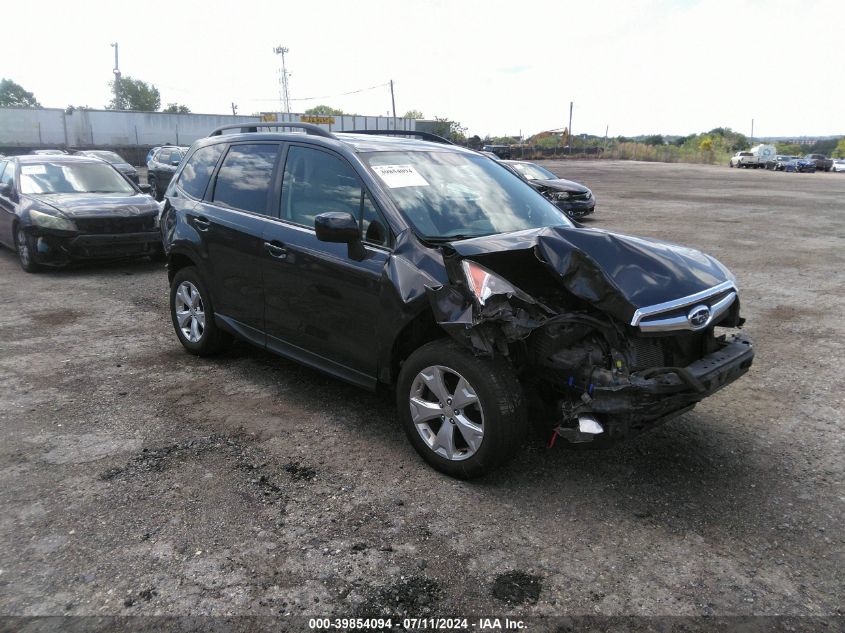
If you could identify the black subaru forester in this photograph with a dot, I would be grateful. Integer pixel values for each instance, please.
(431, 269)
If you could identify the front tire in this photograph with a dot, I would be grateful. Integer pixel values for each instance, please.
(463, 414)
(26, 248)
(193, 314)
(154, 192)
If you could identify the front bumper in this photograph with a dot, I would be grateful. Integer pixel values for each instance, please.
(633, 403)
(576, 208)
(52, 249)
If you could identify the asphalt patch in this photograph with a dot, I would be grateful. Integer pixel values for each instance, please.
(517, 587)
(412, 597)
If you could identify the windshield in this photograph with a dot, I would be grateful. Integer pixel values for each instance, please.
(450, 195)
(72, 178)
(114, 159)
(533, 172)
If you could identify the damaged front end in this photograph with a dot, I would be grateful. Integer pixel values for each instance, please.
(609, 334)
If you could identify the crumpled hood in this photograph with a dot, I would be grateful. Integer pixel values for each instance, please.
(99, 204)
(616, 273)
(561, 184)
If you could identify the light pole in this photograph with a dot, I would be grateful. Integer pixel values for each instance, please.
(117, 104)
(284, 96)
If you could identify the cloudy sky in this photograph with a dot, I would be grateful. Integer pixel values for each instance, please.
(499, 67)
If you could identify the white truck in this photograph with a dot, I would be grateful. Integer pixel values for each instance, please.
(756, 157)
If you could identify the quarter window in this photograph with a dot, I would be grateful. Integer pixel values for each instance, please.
(197, 173)
(316, 182)
(246, 177)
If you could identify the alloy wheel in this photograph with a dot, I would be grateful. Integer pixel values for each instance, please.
(23, 248)
(190, 311)
(446, 412)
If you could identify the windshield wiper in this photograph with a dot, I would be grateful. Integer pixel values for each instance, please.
(452, 238)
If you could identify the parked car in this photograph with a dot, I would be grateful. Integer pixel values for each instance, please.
(838, 164)
(430, 269)
(572, 198)
(796, 164)
(162, 166)
(821, 162)
(49, 152)
(120, 163)
(502, 151)
(57, 209)
(743, 159)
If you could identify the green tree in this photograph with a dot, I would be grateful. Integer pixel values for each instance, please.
(452, 130)
(654, 139)
(413, 114)
(839, 152)
(324, 110)
(13, 95)
(790, 149)
(134, 94)
(177, 108)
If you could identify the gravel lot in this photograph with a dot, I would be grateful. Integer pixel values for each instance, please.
(136, 479)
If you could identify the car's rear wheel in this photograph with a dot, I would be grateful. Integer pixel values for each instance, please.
(26, 247)
(193, 314)
(463, 414)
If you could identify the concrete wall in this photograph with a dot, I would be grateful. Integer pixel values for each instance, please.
(25, 129)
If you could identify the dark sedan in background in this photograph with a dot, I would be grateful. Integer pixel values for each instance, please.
(120, 163)
(162, 166)
(571, 197)
(57, 209)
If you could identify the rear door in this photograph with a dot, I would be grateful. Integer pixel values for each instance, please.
(7, 203)
(232, 219)
(322, 307)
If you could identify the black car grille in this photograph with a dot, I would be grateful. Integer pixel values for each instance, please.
(580, 196)
(112, 225)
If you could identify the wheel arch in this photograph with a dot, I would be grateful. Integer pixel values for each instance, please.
(414, 334)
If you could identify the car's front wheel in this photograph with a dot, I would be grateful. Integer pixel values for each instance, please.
(26, 247)
(193, 314)
(463, 414)
(154, 189)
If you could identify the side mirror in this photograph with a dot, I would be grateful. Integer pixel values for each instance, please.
(145, 188)
(175, 163)
(340, 228)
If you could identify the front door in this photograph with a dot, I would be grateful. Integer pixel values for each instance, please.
(322, 306)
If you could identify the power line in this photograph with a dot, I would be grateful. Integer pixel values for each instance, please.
(343, 94)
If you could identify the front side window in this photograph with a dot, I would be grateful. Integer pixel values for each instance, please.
(316, 182)
(163, 156)
(196, 174)
(47, 178)
(245, 178)
(451, 195)
(7, 172)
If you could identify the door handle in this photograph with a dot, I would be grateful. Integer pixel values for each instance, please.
(202, 224)
(276, 250)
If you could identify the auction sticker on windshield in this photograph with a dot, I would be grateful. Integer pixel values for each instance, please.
(32, 170)
(396, 176)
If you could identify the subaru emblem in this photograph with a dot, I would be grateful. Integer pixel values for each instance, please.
(699, 316)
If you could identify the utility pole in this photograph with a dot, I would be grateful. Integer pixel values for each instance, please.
(284, 95)
(234, 109)
(393, 103)
(117, 104)
(570, 126)
(752, 130)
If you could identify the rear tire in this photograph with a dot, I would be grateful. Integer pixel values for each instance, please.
(192, 314)
(463, 429)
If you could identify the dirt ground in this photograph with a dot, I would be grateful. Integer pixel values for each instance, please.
(137, 479)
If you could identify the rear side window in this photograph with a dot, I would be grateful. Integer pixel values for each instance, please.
(197, 172)
(7, 177)
(163, 156)
(246, 177)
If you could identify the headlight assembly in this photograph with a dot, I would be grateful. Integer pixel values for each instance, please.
(560, 195)
(50, 221)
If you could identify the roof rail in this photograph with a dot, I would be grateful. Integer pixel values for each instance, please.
(426, 136)
(252, 126)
